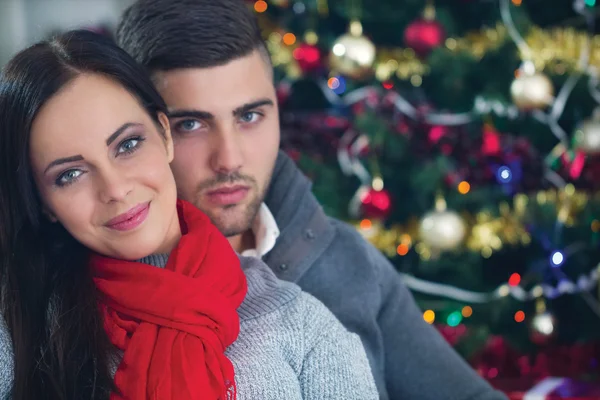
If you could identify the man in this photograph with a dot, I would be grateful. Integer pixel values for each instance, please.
(210, 64)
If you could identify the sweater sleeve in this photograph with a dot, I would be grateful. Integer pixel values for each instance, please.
(6, 361)
(419, 363)
(335, 364)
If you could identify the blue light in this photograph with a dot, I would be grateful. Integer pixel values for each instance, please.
(341, 87)
(557, 259)
(504, 174)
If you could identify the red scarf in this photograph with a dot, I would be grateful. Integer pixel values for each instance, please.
(174, 324)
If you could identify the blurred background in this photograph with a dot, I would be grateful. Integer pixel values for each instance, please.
(461, 137)
(24, 22)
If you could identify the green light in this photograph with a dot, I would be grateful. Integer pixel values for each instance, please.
(454, 318)
(590, 3)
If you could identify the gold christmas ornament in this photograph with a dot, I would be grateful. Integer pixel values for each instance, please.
(531, 90)
(442, 229)
(353, 54)
(587, 136)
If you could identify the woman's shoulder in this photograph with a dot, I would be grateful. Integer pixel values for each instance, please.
(266, 293)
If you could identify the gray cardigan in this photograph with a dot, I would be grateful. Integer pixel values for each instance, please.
(290, 346)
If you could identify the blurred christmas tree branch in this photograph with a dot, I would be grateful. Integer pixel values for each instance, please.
(464, 143)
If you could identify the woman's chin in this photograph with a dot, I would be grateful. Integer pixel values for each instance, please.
(134, 252)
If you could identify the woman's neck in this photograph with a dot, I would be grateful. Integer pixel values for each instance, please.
(172, 237)
(160, 257)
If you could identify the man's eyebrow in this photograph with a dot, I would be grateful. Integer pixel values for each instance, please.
(191, 114)
(253, 104)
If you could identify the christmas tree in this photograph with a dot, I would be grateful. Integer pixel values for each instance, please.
(462, 139)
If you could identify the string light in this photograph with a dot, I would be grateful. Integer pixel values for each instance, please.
(504, 174)
(467, 311)
(337, 84)
(429, 316)
(557, 259)
(260, 6)
(402, 249)
(366, 224)
(289, 38)
(464, 187)
(519, 316)
(454, 319)
(514, 279)
(333, 83)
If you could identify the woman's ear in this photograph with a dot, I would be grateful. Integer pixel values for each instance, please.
(164, 122)
(49, 214)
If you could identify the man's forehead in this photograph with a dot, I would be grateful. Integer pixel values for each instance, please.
(235, 71)
(185, 91)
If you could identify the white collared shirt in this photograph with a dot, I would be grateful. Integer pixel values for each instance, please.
(265, 231)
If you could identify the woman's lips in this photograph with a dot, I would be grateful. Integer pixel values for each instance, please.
(131, 219)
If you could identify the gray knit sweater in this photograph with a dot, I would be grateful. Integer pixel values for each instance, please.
(290, 346)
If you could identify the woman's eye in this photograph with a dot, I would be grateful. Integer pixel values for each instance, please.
(249, 117)
(129, 145)
(68, 177)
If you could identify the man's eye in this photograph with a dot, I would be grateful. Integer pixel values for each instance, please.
(188, 125)
(249, 117)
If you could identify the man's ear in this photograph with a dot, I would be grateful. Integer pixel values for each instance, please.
(164, 122)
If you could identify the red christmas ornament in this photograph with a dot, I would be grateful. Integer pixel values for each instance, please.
(437, 132)
(490, 145)
(376, 204)
(308, 57)
(424, 35)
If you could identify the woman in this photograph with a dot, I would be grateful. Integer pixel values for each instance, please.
(85, 191)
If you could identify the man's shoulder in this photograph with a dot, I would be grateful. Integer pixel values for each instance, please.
(349, 238)
(350, 252)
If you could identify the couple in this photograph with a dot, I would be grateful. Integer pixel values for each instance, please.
(88, 215)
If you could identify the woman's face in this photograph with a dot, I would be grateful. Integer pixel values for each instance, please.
(102, 169)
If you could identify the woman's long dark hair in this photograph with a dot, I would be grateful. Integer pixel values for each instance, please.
(47, 294)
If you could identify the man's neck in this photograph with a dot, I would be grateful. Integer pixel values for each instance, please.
(243, 241)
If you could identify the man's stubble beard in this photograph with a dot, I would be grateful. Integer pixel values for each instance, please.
(246, 220)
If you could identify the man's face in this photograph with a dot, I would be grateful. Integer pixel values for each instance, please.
(225, 126)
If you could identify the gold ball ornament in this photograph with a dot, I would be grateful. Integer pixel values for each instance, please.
(442, 229)
(587, 136)
(532, 90)
(353, 54)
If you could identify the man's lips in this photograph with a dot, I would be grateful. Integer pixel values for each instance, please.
(130, 219)
(228, 195)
